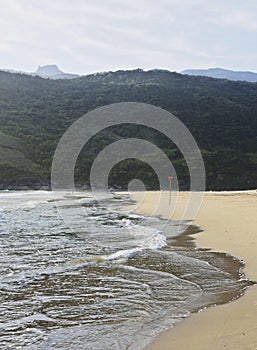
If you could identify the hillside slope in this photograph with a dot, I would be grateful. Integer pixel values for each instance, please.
(221, 115)
(221, 73)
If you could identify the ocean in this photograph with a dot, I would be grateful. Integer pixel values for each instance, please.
(103, 277)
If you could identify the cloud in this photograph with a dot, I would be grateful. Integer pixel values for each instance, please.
(237, 19)
(85, 36)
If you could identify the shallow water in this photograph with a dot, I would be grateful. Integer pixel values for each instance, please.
(110, 280)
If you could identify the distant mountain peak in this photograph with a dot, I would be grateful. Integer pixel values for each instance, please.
(52, 71)
(48, 70)
(221, 73)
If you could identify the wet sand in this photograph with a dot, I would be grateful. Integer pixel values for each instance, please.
(229, 221)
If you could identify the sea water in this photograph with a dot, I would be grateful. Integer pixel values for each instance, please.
(114, 280)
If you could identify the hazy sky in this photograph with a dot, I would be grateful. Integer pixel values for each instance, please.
(99, 35)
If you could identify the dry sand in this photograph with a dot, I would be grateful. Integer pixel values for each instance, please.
(229, 220)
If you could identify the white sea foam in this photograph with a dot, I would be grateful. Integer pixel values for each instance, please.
(86, 278)
(14, 200)
(153, 241)
(22, 200)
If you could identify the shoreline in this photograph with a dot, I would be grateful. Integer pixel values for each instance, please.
(229, 224)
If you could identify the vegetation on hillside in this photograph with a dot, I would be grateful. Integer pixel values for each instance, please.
(220, 114)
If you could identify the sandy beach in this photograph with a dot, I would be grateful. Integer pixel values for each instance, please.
(229, 221)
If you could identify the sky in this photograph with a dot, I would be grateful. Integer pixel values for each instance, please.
(86, 36)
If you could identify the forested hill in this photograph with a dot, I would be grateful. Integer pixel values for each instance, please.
(221, 115)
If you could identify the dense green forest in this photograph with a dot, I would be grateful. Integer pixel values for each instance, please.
(220, 114)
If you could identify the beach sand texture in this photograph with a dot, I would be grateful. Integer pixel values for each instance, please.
(229, 221)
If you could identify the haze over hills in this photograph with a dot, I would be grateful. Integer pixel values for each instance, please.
(220, 114)
(221, 73)
(50, 71)
(53, 72)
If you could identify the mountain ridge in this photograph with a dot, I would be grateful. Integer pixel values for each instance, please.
(52, 71)
(221, 73)
(220, 114)
(49, 71)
